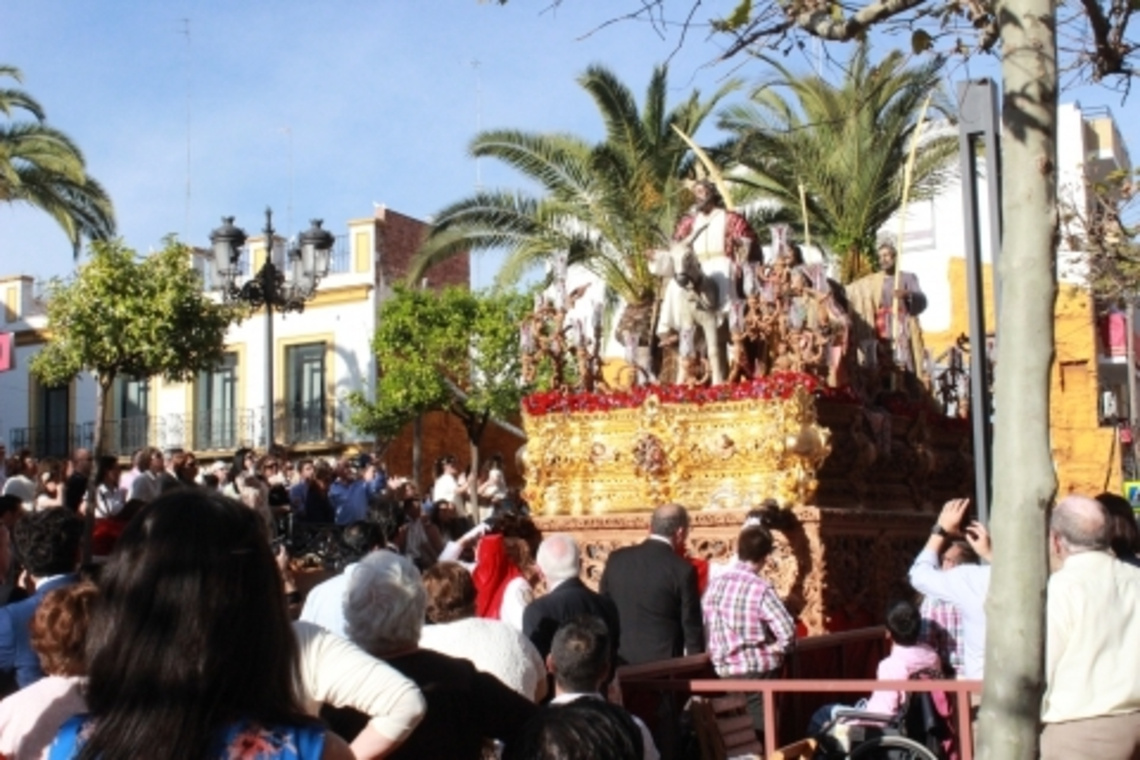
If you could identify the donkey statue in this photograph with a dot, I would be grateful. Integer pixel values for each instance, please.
(694, 298)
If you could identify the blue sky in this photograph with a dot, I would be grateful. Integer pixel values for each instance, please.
(375, 100)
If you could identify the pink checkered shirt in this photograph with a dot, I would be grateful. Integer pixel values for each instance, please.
(747, 627)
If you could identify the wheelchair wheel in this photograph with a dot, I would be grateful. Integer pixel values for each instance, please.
(891, 748)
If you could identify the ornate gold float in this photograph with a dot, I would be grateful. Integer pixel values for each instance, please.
(708, 455)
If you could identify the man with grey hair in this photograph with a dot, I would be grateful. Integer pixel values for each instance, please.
(566, 596)
(655, 591)
(384, 610)
(1091, 707)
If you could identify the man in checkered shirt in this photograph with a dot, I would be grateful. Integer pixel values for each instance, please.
(749, 630)
(941, 620)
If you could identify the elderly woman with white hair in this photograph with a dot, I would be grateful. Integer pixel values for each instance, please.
(384, 611)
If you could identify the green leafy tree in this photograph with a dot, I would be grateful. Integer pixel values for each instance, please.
(122, 315)
(451, 350)
(847, 143)
(42, 167)
(605, 204)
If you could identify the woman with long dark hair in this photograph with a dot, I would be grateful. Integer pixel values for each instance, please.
(191, 655)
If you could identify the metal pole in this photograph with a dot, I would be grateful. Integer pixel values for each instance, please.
(978, 122)
(269, 438)
(269, 291)
(1130, 354)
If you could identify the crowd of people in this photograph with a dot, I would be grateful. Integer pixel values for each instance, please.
(441, 634)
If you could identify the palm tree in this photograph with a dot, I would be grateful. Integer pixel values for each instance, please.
(41, 166)
(604, 204)
(847, 144)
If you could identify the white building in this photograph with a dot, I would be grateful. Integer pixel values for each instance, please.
(319, 357)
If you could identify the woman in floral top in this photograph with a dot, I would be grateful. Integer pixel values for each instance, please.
(191, 653)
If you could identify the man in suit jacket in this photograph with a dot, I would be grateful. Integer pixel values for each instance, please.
(655, 591)
(566, 597)
(47, 544)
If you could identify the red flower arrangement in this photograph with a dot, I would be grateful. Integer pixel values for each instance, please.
(781, 385)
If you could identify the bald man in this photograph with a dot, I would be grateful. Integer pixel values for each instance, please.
(1091, 707)
(566, 596)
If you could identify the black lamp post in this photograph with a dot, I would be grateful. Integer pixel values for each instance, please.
(284, 289)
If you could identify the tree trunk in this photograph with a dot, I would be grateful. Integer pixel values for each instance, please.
(418, 453)
(473, 477)
(475, 426)
(102, 393)
(1024, 482)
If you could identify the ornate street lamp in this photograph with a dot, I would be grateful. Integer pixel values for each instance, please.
(284, 289)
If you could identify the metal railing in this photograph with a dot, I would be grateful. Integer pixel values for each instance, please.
(128, 434)
(305, 423)
(209, 430)
(790, 700)
(56, 441)
(340, 258)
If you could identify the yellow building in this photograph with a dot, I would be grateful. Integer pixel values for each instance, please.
(1088, 396)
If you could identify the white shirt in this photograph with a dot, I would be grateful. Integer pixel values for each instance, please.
(1092, 639)
(516, 596)
(965, 586)
(30, 718)
(650, 749)
(22, 487)
(108, 501)
(325, 603)
(445, 487)
(493, 647)
(337, 672)
(143, 488)
(495, 487)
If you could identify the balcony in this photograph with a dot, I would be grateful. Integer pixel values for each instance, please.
(215, 430)
(303, 423)
(218, 430)
(55, 441)
(340, 258)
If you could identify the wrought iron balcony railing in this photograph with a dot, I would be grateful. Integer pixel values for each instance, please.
(207, 430)
(56, 441)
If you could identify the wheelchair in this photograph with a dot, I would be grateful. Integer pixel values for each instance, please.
(916, 732)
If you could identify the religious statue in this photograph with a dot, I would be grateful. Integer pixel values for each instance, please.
(823, 303)
(884, 324)
(716, 241)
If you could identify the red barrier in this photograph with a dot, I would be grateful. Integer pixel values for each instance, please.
(822, 669)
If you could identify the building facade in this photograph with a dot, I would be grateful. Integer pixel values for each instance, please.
(319, 357)
(1088, 394)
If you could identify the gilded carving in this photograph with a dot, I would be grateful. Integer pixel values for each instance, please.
(712, 456)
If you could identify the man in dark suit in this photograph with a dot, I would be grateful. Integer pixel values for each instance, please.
(655, 591)
(566, 598)
(47, 544)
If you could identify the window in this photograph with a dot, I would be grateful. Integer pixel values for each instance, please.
(54, 414)
(216, 417)
(305, 392)
(133, 399)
